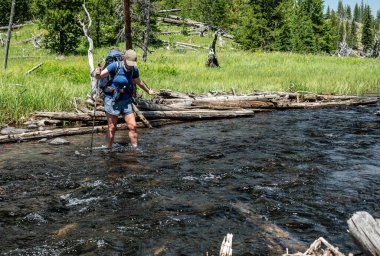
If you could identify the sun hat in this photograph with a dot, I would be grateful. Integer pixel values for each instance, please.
(130, 58)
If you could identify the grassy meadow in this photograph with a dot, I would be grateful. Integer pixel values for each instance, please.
(61, 78)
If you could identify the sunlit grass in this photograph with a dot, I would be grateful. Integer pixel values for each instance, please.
(61, 78)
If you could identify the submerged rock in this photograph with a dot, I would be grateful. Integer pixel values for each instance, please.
(59, 141)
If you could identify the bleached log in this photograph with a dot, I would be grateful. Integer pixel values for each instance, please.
(173, 95)
(146, 105)
(73, 131)
(324, 104)
(233, 104)
(226, 248)
(187, 45)
(13, 26)
(179, 115)
(181, 22)
(170, 10)
(33, 69)
(365, 232)
(196, 114)
(69, 116)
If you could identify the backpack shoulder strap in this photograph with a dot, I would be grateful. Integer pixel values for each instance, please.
(118, 66)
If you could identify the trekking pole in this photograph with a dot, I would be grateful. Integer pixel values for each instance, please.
(93, 115)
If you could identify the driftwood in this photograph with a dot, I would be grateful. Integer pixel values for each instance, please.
(365, 231)
(141, 116)
(316, 249)
(226, 248)
(177, 22)
(35, 40)
(176, 115)
(52, 133)
(33, 69)
(233, 104)
(171, 10)
(187, 45)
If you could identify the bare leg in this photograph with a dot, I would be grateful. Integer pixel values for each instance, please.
(110, 134)
(131, 123)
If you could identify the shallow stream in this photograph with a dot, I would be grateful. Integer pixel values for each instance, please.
(276, 180)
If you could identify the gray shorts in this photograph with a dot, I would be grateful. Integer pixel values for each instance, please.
(123, 107)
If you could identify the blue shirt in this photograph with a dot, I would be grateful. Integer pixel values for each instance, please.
(124, 79)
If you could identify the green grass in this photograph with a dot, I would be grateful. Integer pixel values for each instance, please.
(61, 78)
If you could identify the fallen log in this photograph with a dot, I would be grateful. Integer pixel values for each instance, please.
(365, 232)
(316, 249)
(193, 46)
(181, 22)
(13, 26)
(148, 105)
(233, 104)
(170, 10)
(196, 114)
(74, 131)
(33, 69)
(168, 94)
(325, 104)
(177, 115)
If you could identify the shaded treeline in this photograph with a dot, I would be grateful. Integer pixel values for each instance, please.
(268, 25)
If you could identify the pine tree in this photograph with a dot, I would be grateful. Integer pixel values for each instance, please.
(284, 27)
(59, 18)
(354, 35)
(356, 13)
(23, 11)
(106, 23)
(335, 28)
(327, 42)
(348, 12)
(367, 33)
(251, 33)
(327, 15)
(340, 10)
(348, 33)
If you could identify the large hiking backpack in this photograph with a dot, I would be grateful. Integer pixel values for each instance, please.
(114, 55)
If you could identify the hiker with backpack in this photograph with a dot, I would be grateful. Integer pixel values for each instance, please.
(117, 79)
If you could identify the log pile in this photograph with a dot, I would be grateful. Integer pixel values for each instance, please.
(173, 107)
(319, 247)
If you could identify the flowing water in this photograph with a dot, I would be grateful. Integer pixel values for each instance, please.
(275, 181)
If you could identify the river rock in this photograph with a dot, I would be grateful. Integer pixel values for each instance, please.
(59, 141)
(12, 130)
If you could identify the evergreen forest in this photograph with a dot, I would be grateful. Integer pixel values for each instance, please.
(299, 26)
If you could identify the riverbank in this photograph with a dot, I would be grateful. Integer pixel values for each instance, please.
(54, 85)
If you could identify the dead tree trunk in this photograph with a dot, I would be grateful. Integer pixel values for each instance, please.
(212, 61)
(9, 33)
(128, 28)
(376, 48)
(147, 29)
(95, 91)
